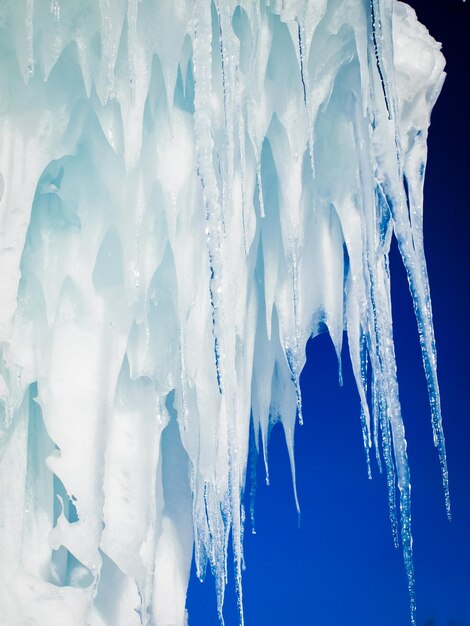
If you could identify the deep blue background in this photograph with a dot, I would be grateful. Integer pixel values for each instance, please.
(340, 568)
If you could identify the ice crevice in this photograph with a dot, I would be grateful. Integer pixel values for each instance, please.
(189, 191)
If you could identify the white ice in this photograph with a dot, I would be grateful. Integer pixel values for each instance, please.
(190, 190)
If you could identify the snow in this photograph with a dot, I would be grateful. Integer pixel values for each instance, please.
(189, 191)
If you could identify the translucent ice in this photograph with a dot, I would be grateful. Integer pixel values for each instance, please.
(189, 191)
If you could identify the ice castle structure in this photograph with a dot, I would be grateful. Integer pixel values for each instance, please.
(190, 190)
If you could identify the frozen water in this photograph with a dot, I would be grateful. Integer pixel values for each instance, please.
(190, 190)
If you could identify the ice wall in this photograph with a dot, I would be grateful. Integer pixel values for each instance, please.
(189, 191)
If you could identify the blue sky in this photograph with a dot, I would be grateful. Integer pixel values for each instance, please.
(340, 567)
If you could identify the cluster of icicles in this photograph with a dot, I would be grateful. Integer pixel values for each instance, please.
(190, 191)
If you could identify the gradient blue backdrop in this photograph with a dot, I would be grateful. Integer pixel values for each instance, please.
(340, 567)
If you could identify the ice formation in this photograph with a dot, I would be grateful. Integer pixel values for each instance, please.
(190, 190)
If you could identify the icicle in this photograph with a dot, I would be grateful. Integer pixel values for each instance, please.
(202, 67)
(188, 193)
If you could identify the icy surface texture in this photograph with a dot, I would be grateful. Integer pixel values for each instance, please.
(190, 190)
